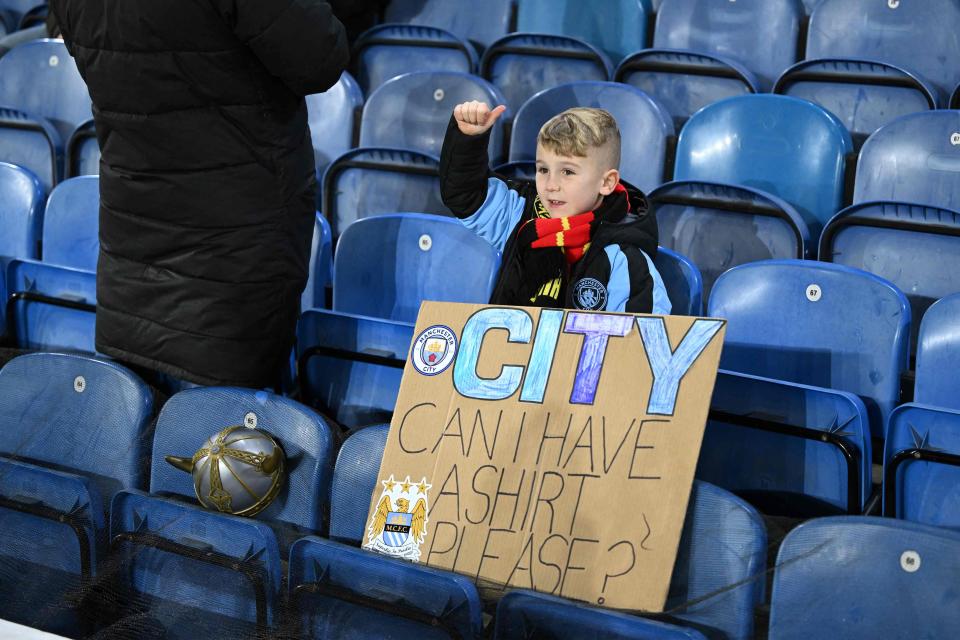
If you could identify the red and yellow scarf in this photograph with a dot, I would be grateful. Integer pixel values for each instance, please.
(570, 234)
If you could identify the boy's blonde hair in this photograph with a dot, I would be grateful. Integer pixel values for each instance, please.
(577, 131)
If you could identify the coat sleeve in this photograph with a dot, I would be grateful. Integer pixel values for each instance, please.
(298, 41)
(635, 285)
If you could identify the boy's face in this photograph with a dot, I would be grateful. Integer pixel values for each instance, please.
(570, 185)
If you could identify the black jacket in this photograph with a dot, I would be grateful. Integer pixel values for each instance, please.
(616, 273)
(207, 175)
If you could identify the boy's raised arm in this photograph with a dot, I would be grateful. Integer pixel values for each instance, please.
(464, 165)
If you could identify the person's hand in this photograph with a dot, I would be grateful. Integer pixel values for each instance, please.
(475, 118)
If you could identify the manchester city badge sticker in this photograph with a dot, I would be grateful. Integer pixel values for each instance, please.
(399, 524)
(434, 350)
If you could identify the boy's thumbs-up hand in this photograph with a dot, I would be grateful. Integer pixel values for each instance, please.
(475, 118)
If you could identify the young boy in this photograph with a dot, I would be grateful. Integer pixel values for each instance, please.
(581, 239)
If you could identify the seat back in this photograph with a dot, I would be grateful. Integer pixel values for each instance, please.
(354, 481)
(41, 78)
(13, 11)
(759, 34)
(786, 147)
(192, 416)
(721, 226)
(194, 572)
(78, 415)
(914, 159)
(834, 570)
(616, 27)
(351, 366)
(913, 35)
(818, 324)
(682, 280)
(391, 50)
(524, 64)
(916, 248)
(21, 212)
(321, 265)
(459, 17)
(333, 117)
(387, 265)
(51, 308)
(71, 224)
(370, 182)
(83, 151)
(938, 351)
(643, 123)
(412, 111)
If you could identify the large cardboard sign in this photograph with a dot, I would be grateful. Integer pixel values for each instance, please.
(546, 449)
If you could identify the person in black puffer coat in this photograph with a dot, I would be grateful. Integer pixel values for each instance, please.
(206, 176)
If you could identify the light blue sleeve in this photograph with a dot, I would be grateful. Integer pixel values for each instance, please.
(498, 214)
(618, 289)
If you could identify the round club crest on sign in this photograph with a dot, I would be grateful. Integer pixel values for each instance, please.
(434, 350)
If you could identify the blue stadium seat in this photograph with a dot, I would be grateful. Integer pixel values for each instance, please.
(519, 170)
(922, 455)
(194, 573)
(71, 224)
(646, 129)
(459, 17)
(350, 366)
(51, 307)
(337, 593)
(387, 51)
(74, 432)
(854, 578)
(43, 99)
(955, 100)
(21, 218)
(13, 11)
(370, 182)
(721, 226)
(870, 62)
(783, 146)
(915, 159)
(192, 416)
(523, 64)
(83, 152)
(333, 117)
(386, 266)
(705, 51)
(354, 481)
(818, 324)
(808, 5)
(789, 449)
(682, 280)
(321, 266)
(527, 614)
(616, 27)
(916, 248)
(412, 111)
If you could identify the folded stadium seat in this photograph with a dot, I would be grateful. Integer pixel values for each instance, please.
(682, 280)
(369, 182)
(387, 51)
(337, 591)
(82, 157)
(321, 266)
(12, 12)
(745, 192)
(789, 449)
(333, 118)
(859, 578)
(463, 18)
(199, 572)
(616, 27)
(955, 100)
(21, 217)
(818, 324)
(521, 65)
(75, 431)
(869, 62)
(384, 267)
(922, 454)
(51, 308)
(350, 366)
(412, 111)
(71, 224)
(704, 51)
(37, 15)
(42, 100)
(528, 614)
(646, 129)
